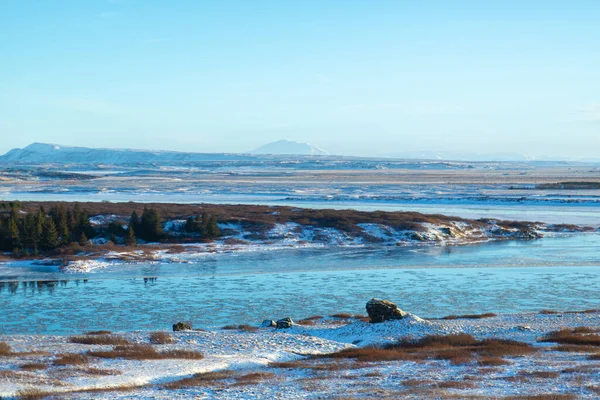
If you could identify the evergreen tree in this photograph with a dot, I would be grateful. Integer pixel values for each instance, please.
(13, 234)
(39, 226)
(62, 226)
(134, 221)
(130, 238)
(29, 228)
(49, 239)
(83, 240)
(151, 226)
(213, 230)
(190, 224)
(204, 225)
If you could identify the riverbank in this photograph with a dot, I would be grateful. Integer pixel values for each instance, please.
(476, 356)
(243, 228)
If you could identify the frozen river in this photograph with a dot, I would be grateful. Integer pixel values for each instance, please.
(553, 273)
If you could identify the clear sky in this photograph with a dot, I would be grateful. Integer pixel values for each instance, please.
(369, 77)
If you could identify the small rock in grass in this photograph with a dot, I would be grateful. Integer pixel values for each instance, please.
(181, 326)
(284, 323)
(383, 310)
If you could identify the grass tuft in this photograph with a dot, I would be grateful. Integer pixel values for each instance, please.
(100, 339)
(161, 338)
(33, 366)
(580, 336)
(71, 359)
(5, 349)
(146, 352)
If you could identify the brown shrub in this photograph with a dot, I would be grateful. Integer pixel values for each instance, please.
(243, 328)
(573, 348)
(98, 333)
(5, 349)
(487, 361)
(161, 338)
(458, 349)
(575, 336)
(540, 374)
(33, 366)
(456, 385)
(71, 359)
(202, 379)
(32, 394)
(146, 352)
(100, 339)
(253, 378)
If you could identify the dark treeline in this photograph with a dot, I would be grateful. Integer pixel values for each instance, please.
(29, 233)
(204, 225)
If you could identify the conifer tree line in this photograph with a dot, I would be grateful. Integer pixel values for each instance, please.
(29, 233)
(203, 224)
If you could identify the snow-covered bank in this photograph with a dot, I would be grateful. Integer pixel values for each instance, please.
(253, 351)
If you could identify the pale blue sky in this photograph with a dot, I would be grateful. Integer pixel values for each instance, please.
(354, 77)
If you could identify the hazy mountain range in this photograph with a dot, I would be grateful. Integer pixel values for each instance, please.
(54, 153)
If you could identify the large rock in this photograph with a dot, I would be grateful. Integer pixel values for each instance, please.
(268, 323)
(284, 323)
(383, 310)
(181, 326)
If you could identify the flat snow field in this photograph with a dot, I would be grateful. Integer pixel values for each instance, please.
(248, 362)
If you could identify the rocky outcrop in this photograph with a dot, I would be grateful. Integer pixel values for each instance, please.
(181, 326)
(284, 323)
(383, 310)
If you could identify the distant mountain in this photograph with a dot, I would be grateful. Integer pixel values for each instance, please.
(288, 147)
(53, 153)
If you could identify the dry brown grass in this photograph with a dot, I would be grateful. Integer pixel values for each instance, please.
(580, 336)
(458, 349)
(146, 352)
(33, 366)
(471, 316)
(540, 374)
(203, 379)
(98, 333)
(5, 349)
(32, 394)
(161, 338)
(456, 385)
(487, 361)
(71, 359)
(100, 339)
(242, 328)
(253, 378)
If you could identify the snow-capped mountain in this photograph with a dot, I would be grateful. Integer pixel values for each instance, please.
(288, 147)
(52, 153)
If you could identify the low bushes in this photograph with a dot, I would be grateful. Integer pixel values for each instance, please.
(146, 352)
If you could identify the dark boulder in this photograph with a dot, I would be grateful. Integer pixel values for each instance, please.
(181, 326)
(284, 323)
(383, 310)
